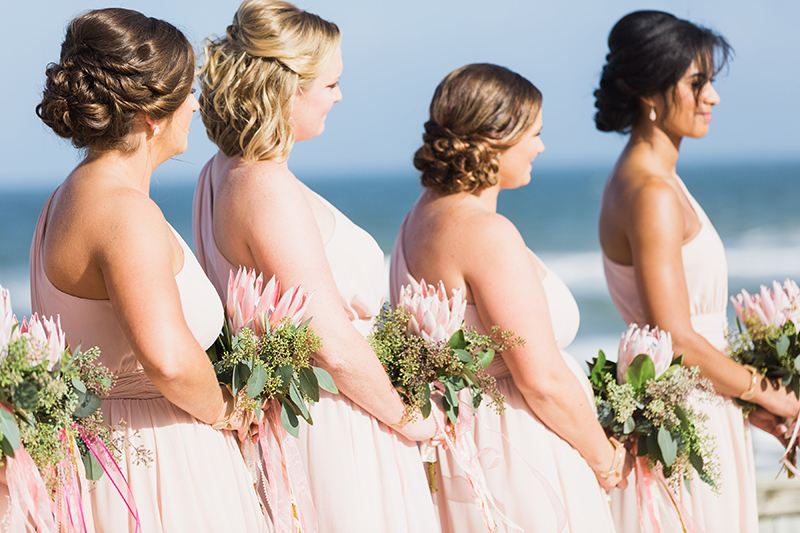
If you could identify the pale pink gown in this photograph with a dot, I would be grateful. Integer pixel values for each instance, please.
(538, 480)
(197, 480)
(706, 271)
(364, 477)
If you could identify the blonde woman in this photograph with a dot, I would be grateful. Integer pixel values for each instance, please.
(268, 83)
(482, 136)
(121, 278)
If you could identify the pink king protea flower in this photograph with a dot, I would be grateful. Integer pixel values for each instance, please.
(46, 340)
(433, 317)
(655, 343)
(250, 307)
(771, 307)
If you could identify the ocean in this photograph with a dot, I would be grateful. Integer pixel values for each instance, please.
(751, 205)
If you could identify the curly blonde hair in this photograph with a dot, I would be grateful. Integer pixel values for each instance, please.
(249, 77)
(477, 112)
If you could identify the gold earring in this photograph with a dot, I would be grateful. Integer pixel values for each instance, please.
(652, 114)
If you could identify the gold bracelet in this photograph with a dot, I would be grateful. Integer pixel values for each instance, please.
(749, 393)
(618, 461)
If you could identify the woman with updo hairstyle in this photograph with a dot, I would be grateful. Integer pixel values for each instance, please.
(554, 458)
(664, 262)
(270, 82)
(106, 261)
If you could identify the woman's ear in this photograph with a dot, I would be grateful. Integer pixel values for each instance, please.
(154, 126)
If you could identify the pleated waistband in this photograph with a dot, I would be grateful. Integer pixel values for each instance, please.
(134, 386)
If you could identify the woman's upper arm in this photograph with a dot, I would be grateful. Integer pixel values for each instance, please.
(508, 293)
(655, 230)
(134, 252)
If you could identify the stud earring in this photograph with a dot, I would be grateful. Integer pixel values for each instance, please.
(156, 129)
(652, 114)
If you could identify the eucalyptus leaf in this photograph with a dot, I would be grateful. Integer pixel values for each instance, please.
(325, 380)
(309, 383)
(289, 420)
(797, 363)
(681, 414)
(211, 352)
(677, 361)
(26, 396)
(304, 324)
(640, 371)
(470, 377)
(426, 393)
(256, 381)
(94, 470)
(697, 462)
(297, 399)
(477, 398)
(285, 373)
(629, 426)
(653, 448)
(78, 384)
(450, 402)
(8, 425)
(786, 380)
(241, 373)
(687, 485)
(6, 447)
(486, 356)
(668, 446)
(458, 341)
(782, 346)
(795, 386)
(425, 408)
(641, 446)
(88, 403)
(463, 355)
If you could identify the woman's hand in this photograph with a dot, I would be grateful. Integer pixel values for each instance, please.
(777, 400)
(236, 418)
(619, 467)
(770, 423)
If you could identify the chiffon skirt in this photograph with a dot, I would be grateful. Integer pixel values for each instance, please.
(536, 478)
(197, 480)
(363, 476)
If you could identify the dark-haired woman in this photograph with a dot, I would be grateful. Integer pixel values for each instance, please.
(664, 262)
(105, 260)
(553, 459)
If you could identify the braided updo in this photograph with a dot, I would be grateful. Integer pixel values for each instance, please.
(114, 64)
(477, 112)
(649, 52)
(249, 77)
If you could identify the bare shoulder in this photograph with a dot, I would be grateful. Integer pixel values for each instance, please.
(639, 195)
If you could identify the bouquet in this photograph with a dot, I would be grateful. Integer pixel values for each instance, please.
(646, 399)
(769, 343)
(263, 351)
(263, 356)
(49, 417)
(424, 348)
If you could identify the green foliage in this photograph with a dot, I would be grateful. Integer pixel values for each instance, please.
(655, 413)
(275, 365)
(41, 406)
(773, 351)
(416, 366)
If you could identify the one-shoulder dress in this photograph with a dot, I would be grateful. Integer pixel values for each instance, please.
(538, 481)
(706, 270)
(197, 480)
(363, 476)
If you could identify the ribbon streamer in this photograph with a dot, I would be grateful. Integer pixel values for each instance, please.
(286, 490)
(785, 460)
(655, 499)
(28, 495)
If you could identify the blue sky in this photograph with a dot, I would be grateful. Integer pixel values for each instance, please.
(396, 53)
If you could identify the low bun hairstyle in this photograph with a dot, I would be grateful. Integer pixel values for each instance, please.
(649, 52)
(249, 77)
(115, 63)
(477, 112)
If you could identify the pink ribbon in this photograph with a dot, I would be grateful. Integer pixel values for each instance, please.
(28, 495)
(662, 506)
(72, 478)
(289, 494)
(789, 447)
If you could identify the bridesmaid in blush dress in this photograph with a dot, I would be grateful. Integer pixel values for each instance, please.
(664, 262)
(106, 261)
(555, 459)
(364, 469)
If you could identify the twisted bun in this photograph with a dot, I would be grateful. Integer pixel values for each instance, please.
(249, 77)
(649, 52)
(477, 112)
(114, 64)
